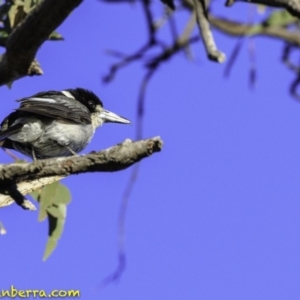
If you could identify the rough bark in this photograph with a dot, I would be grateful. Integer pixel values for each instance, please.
(31, 176)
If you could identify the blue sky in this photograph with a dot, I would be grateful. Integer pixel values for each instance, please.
(215, 215)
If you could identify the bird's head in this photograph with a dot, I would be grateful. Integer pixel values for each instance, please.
(99, 115)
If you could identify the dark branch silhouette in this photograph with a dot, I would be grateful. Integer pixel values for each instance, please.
(23, 43)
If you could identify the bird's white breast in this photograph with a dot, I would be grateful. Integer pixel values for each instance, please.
(76, 136)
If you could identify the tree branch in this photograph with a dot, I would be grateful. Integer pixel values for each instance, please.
(292, 6)
(210, 46)
(240, 29)
(31, 176)
(24, 42)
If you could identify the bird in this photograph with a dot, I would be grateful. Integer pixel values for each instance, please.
(55, 123)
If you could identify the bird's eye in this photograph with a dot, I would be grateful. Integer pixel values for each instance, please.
(91, 104)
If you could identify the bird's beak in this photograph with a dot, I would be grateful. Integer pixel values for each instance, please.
(108, 116)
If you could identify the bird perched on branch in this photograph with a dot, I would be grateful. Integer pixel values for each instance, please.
(54, 123)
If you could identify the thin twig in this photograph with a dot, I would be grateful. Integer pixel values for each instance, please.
(117, 273)
(141, 102)
(149, 20)
(233, 57)
(125, 61)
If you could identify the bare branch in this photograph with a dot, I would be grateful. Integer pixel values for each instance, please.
(149, 19)
(233, 56)
(188, 29)
(117, 273)
(292, 6)
(240, 29)
(113, 159)
(286, 58)
(125, 61)
(211, 49)
(180, 45)
(24, 42)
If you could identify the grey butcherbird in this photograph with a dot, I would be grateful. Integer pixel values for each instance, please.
(53, 123)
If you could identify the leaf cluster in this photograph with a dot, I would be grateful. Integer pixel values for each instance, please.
(53, 200)
(12, 13)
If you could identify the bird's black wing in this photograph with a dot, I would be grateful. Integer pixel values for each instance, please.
(9, 131)
(56, 105)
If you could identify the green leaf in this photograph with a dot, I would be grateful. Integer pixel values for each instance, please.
(3, 33)
(12, 14)
(18, 2)
(36, 195)
(3, 36)
(42, 213)
(64, 195)
(280, 18)
(56, 226)
(50, 246)
(58, 211)
(55, 193)
(48, 194)
(29, 5)
(49, 197)
(53, 199)
(16, 13)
